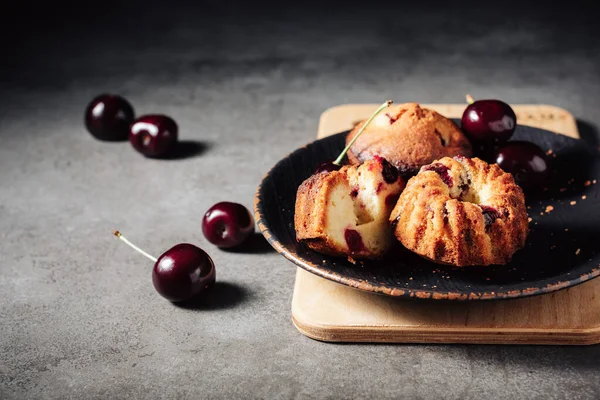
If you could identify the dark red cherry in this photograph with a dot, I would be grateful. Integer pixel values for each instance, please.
(327, 166)
(153, 135)
(526, 161)
(227, 224)
(183, 272)
(108, 117)
(489, 122)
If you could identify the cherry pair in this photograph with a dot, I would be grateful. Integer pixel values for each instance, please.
(110, 117)
(490, 124)
(185, 270)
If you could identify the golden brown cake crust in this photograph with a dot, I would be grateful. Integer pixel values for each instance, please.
(408, 136)
(310, 211)
(346, 212)
(462, 212)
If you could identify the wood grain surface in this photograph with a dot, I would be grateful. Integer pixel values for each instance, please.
(344, 117)
(327, 311)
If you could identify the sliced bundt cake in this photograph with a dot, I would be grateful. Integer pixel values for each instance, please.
(462, 211)
(346, 212)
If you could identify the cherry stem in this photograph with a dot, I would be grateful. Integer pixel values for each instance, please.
(123, 238)
(343, 153)
(470, 99)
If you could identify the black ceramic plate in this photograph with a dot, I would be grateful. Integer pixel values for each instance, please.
(562, 249)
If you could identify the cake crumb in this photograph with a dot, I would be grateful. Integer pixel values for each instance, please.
(573, 202)
(587, 183)
(577, 252)
(352, 260)
(529, 219)
(583, 197)
(566, 229)
(594, 181)
(549, 208)
(549, 152)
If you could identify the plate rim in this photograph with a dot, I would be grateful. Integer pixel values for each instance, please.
(291, 256)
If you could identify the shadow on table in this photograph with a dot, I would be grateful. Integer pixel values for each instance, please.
(188, 149)
(517, 357)
(224, 295)
(533, 357)
(255, 244)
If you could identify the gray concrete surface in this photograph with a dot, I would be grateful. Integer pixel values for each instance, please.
(79, 317)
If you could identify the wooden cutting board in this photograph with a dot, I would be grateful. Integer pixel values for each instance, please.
(328, 311)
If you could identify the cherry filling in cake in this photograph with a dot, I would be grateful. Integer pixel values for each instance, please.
(390, 173)
(353, 240)
(346, 212)
(490, 214)
(442, 171)
(391, 117)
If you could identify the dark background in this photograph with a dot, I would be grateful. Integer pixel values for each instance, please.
(248, 81)
(522, 51)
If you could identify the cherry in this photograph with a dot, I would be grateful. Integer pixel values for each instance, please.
(488, 121)
(526, 161)
(108, 117)
(227, 224)
(153, 135)
(336, 165)
(180, 273)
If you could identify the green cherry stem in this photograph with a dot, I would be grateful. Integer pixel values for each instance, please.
(470, 99)
(343, 153)
(124, 239)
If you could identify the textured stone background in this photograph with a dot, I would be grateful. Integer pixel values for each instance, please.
(246, 82)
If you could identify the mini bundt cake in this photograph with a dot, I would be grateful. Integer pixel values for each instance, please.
(346, 212)
(462, 211)
(408, 136)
